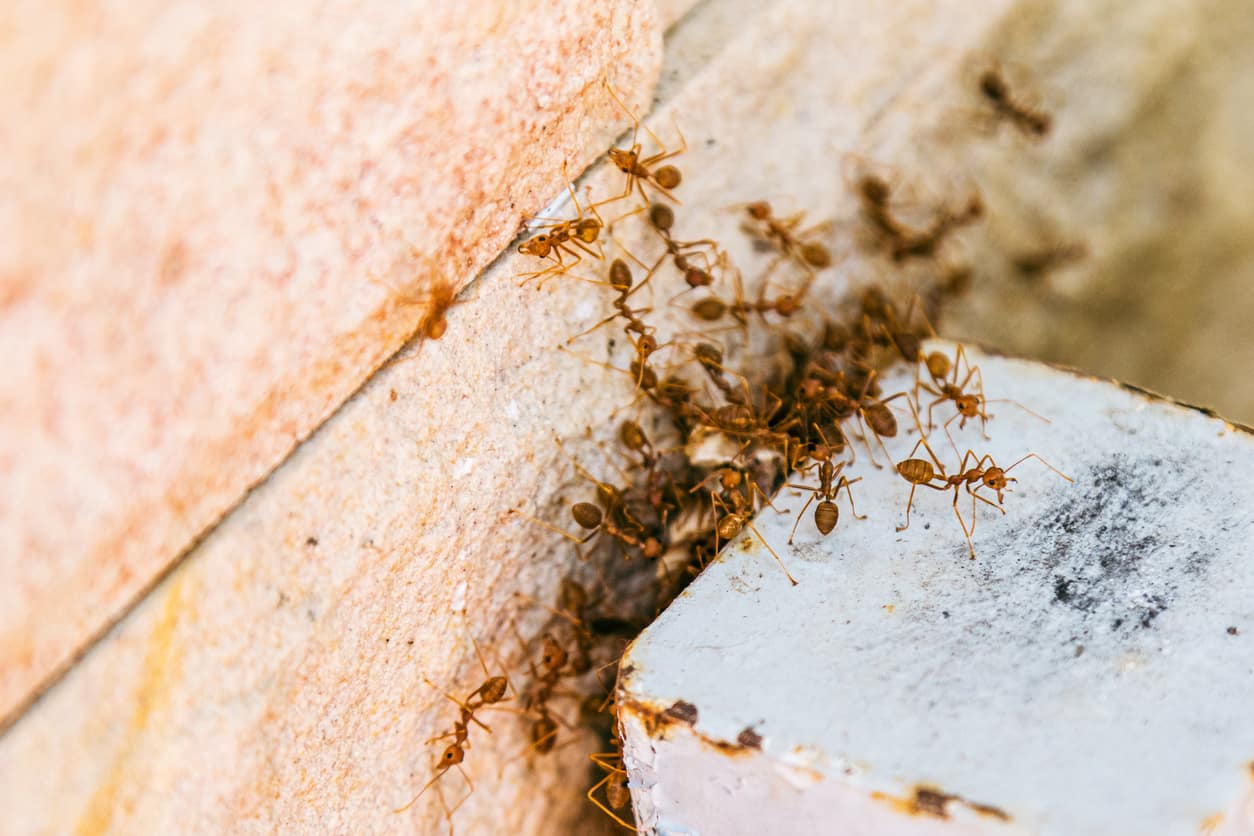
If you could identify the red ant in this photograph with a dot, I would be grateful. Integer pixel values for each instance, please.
(1018, 110)
(565, 236)
(984, 473)
(739, 515)
(492, 691)
(617, 793)
(945, 386)
(640, 170)
(783, 234)
(826, 513)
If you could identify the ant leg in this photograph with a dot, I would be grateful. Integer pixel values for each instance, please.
(949, 435)
(801, 513)
(561, 268)
(553, 528)
(985, 499)
(754, 486)
(778, 560)
(603, 807)
(909, 502)
(845, 483)
(962, 523)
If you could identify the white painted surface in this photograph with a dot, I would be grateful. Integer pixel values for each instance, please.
(1079, 675)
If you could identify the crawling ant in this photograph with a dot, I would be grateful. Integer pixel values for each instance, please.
(565, 236)
(945, 387)
(641, 170)
(739, 510)
(617, 793)
(926, 242)
(1035, 265)
(439, 297)
(826, 513)
(983, 473)
(783, 234)
(492, 691)
(1024, 115)
(621, 280)
(662, 219)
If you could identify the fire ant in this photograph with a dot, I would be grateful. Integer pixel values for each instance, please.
(492, 691)
(621, 280)
(739, 510)
(983, 473)
(662, 219)
(1035, 265)
(784, 235)
(926, 242)
(617, 793)
(945, 386)
(826, 513)
(641, 170)
(565, 236)
(1023, 114)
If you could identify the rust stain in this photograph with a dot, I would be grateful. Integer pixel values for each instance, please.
(657, 721)
(161, 664)
(749, 738)
(934, 802)
(684, 712)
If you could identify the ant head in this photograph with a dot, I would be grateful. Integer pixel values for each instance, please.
(554, 657)
(537, 246)
(968, 405)
(452, 755)
(992, 85)
(787, 305)
(811, 388)
(759, 210)
(996, 479)
(647, 344)
(696, 277)
(623, 158)
(651, 548)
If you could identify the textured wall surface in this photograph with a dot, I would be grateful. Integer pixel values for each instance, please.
(195, 202)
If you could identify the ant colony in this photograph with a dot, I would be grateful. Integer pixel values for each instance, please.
(702, 446)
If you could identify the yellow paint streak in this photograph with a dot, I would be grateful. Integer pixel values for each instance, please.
(161, 662)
